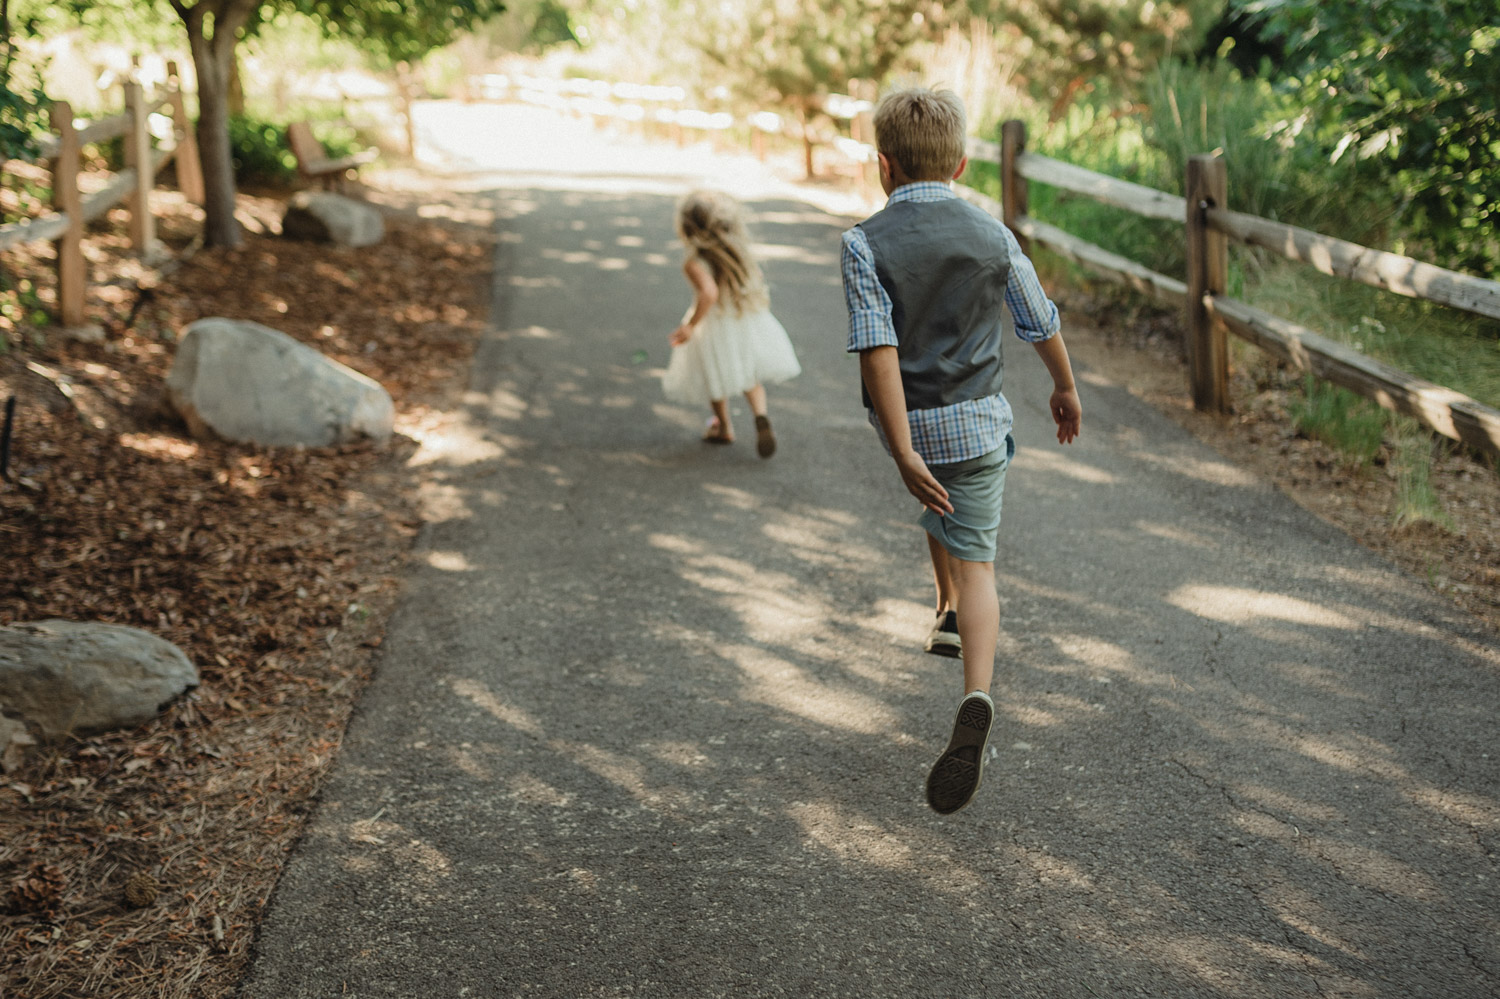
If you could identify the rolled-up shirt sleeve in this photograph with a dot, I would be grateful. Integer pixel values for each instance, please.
(1035, 314)
(869, 306)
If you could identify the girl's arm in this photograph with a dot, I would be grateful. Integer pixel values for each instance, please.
(705, 294)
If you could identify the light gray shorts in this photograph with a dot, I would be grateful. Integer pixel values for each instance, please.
(975, 488)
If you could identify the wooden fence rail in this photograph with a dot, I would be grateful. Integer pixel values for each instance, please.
(63, 227)
(1208, 227)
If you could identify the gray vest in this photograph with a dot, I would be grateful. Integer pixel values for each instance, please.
(944, 264)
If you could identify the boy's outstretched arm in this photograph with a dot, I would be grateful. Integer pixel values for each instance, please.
(880, 367)
(1067, 410)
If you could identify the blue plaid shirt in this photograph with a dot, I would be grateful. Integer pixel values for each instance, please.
(966, 429)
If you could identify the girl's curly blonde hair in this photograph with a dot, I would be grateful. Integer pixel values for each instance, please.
(713, 227)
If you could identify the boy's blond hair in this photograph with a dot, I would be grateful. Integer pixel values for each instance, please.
(922, 131)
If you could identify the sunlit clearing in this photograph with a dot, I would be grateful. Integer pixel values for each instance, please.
(774, 681)
(796, 254)
(737, 498)
(442, 502)
(1278, 800)
(897, 619)
(768, 603)
(522, 281)
(1291, 905)
(1025, 714)
(1233, 605)
(483, 698)
(477, 216)
(1054, 462)
(1053, 870)
(160, 447)
(454, 444)
(1217, 473)
(1171, 532)
(851, 838)
(680, 754)
(1097, 653)
(534, 791)
(625, 773)
(449, 561)
(675, 543)
(464, 759)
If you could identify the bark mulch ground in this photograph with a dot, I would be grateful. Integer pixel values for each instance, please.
(137, 863)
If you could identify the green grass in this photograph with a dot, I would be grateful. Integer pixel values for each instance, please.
(1338, 417)
(1279, 168)
(1445, 346)
(1416, 501)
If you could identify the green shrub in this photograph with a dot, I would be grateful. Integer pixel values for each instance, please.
(261, 153)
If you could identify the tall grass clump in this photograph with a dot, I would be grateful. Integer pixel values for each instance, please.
(1416, 501)
(1341, 419)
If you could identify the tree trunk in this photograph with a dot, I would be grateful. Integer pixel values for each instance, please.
(236, 87)
(212, 27)
(807, 142)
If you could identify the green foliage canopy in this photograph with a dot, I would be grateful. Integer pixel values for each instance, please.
(396, 30)
(1414, 84)
(1067, 46)
(791, 53)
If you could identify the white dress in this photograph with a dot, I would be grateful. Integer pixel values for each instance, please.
(730, 353)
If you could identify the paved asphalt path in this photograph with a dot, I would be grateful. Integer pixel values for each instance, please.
(653, 717)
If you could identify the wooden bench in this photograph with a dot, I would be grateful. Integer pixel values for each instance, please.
(313, 161)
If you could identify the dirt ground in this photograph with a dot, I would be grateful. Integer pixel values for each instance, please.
(275, 569)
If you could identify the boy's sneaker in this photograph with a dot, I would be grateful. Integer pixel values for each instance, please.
(943, 640)
(956, 774)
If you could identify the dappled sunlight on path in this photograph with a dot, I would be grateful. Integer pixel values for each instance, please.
(655, 717)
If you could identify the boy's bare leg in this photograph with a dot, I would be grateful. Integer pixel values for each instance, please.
(942, 575)
(978, 620)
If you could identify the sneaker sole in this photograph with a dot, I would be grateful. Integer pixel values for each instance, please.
(949, 649)
(956, 775)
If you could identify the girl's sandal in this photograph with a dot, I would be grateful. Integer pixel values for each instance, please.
(765, 441)
(715, 433)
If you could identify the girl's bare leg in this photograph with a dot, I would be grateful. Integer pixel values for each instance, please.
(721, 414)
(756, 397)
(765, 440)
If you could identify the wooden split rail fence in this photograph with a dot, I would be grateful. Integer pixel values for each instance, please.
(72, 207)
(1209, 225)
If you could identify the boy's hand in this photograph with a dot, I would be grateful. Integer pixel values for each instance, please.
(920, 483)
(680, 335)
(1067, 412)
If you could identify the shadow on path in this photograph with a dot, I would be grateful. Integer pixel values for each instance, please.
(653, 719)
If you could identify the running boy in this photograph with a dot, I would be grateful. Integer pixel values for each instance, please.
(926, 279)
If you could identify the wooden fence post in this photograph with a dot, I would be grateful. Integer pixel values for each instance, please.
(1013, 200)
(71, 277)
(189, 169)
(1207, 274)
(138, 158)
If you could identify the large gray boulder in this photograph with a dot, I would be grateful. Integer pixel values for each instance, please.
(324, 217)
(67, 678)
(250, 383)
